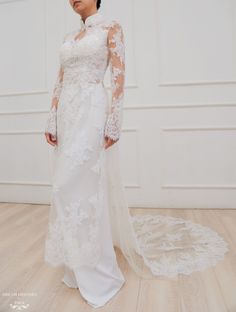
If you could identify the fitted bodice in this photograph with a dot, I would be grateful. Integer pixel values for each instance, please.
(85, 60)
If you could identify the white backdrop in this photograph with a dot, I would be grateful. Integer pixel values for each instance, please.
(178, 145)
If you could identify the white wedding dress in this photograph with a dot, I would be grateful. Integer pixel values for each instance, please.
(89, 214)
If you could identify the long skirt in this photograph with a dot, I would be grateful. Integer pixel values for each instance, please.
(79, 233)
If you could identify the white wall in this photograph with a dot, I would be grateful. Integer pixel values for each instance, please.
(178, 144)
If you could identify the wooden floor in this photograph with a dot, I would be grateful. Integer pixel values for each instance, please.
(26, 279)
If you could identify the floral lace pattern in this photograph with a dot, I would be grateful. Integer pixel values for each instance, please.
(58, 84)
(117, 69)
(73, 232)
(51, 125)
(79, 151)
(178, 247)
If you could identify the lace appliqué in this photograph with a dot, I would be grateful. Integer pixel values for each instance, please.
(73, 236)
(78, 152)
(51, 124)
(97, 167)
(117, 69)
(170, 246)
(114, 121)
(58, 84)
(74, 215)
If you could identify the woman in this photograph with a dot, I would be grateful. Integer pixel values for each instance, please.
(89, 214)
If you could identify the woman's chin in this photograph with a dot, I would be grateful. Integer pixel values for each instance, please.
(78, 7)
(79, 11)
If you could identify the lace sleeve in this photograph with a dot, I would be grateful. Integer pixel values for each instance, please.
(57, 87)
(116, 48)
(51, 120)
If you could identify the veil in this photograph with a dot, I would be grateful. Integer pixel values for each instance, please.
(155, 245)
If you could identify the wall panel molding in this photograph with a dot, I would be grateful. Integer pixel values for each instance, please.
(206, 128)
(195, 83)
(10, 1)
(33, 183)
(133, 107)
(188, 83)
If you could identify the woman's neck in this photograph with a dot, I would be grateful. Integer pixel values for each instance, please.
(87, 14)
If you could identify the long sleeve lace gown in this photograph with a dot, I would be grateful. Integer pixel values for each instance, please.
(88, 212)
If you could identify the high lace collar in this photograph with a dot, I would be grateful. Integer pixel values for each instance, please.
(91, 20)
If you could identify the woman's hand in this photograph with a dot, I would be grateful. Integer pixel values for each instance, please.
(108, 142)
(51, 139)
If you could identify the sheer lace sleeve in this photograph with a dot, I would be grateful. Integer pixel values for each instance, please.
(57, 87)
(51, 120)
(116, 48)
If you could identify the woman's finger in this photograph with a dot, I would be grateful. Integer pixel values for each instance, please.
(51, 139)
(108, 142)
